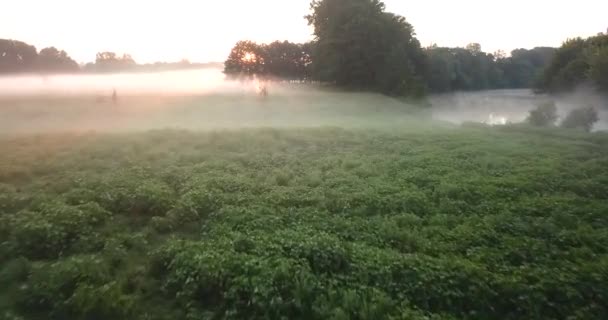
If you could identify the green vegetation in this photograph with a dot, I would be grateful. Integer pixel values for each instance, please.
(544, 115)
(452, 223)
(578, 62)
(582, 118)
(466, 69)
(358, 45)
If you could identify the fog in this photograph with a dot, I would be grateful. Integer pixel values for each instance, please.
(511, 106)
(170, 83)
(204, 99)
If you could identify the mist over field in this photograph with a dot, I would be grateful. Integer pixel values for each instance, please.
(203, 99)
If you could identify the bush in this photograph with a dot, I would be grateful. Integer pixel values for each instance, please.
(582, 118)
(75, 288)
(52, 229)
(544, 115)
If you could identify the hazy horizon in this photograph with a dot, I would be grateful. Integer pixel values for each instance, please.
(186, 29)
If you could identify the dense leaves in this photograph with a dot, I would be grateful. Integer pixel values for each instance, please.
(582, 118)
(464, 69)
(360, 45)
(578, 62)
(544, 115)
(476, 223)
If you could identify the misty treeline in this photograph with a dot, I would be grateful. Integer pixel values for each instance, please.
(20, 57)
(358, 45)
(578, 61)
(17, 56)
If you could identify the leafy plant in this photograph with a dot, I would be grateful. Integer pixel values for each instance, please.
(544, 115)
(582, 118)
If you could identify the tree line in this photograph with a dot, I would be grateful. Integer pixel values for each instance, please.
(578, 61)
(17, 56)
(284, 60)
(20, 57)
(358, 45)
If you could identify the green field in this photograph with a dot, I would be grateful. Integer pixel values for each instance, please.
(305, 223)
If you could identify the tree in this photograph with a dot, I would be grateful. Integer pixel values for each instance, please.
(287, 60)
(358, 45)
(280, 59)
(110, 61)
(598, 67)
(524, 67)
(544, 115)
(582, 118)
(53, 60)
(463, 69)
(246, 59)
(578, 61)
(17, 56)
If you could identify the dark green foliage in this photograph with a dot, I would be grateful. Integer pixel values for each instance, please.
(544, 115)
(359, 45)
(524, 68)
(53, 229)
(598, 67)
(582, 118)
(578, 62)
(471, 223)
(462, 69)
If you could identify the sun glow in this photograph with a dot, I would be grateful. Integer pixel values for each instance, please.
(249, 57)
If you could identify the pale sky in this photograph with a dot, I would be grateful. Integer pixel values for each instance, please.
(203, 30)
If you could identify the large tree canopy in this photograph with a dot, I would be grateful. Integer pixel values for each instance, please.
(53, 60)
(359, 45)
(17, 56)
(578, 61)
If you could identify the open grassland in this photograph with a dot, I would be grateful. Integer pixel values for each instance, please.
(310, 223)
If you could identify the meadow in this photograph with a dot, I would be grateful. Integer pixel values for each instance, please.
(399, 219)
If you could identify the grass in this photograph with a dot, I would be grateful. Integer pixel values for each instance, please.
(309, 223)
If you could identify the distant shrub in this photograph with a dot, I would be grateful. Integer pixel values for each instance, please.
(544, 115)
(582, 118)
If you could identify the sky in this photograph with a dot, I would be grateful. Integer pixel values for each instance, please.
(205, 31)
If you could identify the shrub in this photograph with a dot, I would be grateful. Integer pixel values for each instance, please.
(544, 115)
(52, 229)
(582, 118)
(75, 288)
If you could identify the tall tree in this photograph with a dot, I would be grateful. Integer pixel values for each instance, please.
(359, 45)
(110, 61)
(578, 61)
(53, 60)
(17, 56)
(246, 59)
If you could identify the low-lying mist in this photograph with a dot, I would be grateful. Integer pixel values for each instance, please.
(204, 99)
(512, 106)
